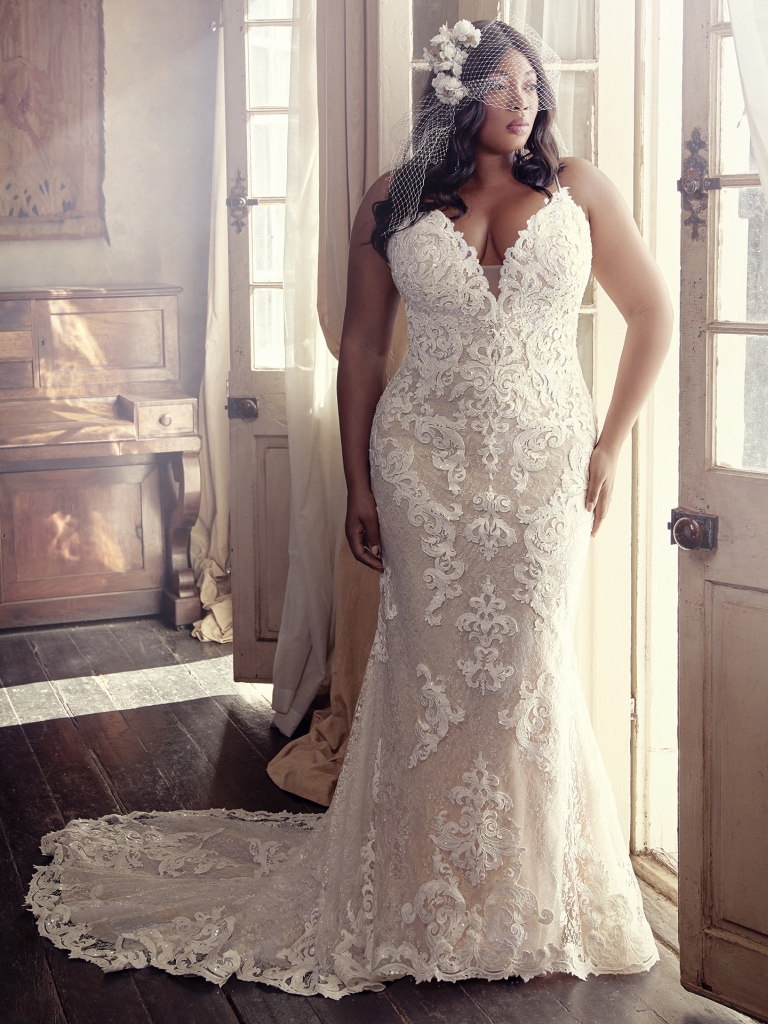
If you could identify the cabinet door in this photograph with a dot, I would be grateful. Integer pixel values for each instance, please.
(723, 621)
(257, 40)
(74, 533)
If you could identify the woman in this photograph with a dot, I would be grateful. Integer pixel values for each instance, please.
(473, 832)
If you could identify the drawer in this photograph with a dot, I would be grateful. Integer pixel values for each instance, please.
(162, 415)
(161, 419)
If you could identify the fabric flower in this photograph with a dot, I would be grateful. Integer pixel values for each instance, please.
(465, 32)
(448, 89)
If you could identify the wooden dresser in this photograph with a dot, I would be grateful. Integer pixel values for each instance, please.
(99, 473)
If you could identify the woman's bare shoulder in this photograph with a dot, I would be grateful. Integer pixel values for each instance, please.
(587, 184)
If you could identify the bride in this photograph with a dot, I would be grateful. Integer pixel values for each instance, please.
(473, 832)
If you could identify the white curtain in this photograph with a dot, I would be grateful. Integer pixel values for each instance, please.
(209, 540)
(318, 493)
(749, 20)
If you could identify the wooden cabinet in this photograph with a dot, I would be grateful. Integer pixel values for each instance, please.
(99, 475)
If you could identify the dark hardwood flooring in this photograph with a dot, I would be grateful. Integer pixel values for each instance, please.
(132, 715)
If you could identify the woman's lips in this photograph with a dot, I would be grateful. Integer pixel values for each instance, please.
(518, 127)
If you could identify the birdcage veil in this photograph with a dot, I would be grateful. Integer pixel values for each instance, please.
(501, 64)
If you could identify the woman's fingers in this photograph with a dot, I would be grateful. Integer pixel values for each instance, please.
(601, 508)
(363, 533)
(600, 486)
(596, 481)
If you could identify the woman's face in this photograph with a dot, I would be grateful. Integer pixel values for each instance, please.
(511, 105)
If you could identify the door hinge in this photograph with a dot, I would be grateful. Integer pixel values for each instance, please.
(242, 408)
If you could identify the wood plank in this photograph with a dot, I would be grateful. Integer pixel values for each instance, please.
(184, 647)
(15, 315)
(641, 998)
(27, 989)
(371, 1007)
(28, 810)
(58, 653)
(435, 1001)
(18, 662)
(662, 917)
(16, 345)
(17, 374)
(240, 779)
(260, 1004)
(172, 1000)
(79, 787)
(517, 1002)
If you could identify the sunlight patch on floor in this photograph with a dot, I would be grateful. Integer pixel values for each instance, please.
(121, 691)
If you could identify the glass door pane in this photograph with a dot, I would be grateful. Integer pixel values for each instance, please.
(735, 155)
(742, 256)
(741, 391)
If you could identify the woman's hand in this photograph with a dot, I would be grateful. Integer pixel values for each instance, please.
(602, 474)
(362, 529)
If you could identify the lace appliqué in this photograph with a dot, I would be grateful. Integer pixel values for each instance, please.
(532, 721)
(387, 612)
(489, 531)
(439, 716)
(487, 626)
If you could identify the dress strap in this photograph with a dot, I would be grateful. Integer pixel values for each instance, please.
(559, 187)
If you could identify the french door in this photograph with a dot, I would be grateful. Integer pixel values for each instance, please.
(257, 42)
(723, 531)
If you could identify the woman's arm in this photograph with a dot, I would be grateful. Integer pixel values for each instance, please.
(369, 317)
(624, 267)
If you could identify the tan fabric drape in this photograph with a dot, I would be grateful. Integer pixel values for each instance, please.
(347, 99)
(309, 765)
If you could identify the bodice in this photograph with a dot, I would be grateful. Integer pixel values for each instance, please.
(543, 275)
(518, 350)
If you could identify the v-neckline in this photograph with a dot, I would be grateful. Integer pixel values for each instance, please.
(466, 246)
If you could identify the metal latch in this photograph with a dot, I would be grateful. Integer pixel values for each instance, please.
(242, 408)
(689, 186)
(238, 202)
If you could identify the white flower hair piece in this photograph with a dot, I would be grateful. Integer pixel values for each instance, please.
(446, 54)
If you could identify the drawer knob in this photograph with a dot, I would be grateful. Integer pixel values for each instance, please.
(165, 420)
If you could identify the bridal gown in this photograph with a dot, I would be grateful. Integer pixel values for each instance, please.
(473, 832)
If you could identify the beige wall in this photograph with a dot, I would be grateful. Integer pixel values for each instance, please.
(160, 66)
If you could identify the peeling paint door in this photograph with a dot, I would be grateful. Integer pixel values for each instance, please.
(723, 621)
(257, 41)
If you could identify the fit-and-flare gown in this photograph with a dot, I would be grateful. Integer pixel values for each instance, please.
(473, 832)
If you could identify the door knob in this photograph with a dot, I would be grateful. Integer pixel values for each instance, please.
(692, 531)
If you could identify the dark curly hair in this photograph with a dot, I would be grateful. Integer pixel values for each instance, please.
(535, 166)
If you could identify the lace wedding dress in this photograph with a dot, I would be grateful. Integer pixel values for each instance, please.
(473, 832)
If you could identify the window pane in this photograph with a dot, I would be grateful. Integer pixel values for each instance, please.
(267, 227)
(735, 154)
(584, 341)
(742, 279)
(567, 26)
(576, 112)
(267, 338)
(741, 401)
(428, 16)
(269, 65)
(269, 9)
(267, 154)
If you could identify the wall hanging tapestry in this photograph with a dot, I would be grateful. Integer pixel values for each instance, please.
(51, 126)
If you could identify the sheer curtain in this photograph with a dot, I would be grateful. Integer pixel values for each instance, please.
(318, 493)
(209, 540)
(749, 20)
(568, 26)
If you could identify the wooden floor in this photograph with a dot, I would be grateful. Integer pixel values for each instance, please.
(132, 715)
